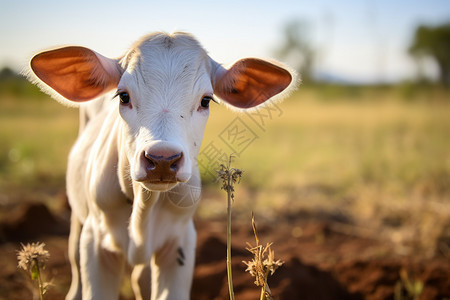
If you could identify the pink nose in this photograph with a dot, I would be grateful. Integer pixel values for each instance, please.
(162, 166)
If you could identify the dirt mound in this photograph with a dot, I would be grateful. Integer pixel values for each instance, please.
(31, 221)
(294, 280)
(380, 278)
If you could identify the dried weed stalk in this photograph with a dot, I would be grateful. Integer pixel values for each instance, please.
(32, 258)
(408, 288)
(262, 264)
(229, 177)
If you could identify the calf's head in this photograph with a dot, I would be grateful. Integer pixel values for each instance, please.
(163, 85)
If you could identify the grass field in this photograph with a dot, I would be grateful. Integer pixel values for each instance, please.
(379, 154)
(36, 136)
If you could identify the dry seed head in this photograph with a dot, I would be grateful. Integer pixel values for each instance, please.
(229, 177)
(256, 270)
(270, 262)
(263, 261)
(262, 264)
(31, 255)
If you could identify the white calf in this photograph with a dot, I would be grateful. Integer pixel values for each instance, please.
(134, 155)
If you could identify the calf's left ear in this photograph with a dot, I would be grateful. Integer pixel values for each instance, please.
(76, 73)
(250, 82)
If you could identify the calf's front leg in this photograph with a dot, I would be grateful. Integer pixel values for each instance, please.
(74, 257)
(140, 281)
(172, 267)
(101, 269)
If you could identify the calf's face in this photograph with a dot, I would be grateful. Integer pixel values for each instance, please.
(164, 85)
(164, 95)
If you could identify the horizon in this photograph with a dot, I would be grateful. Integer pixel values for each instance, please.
(354, 41)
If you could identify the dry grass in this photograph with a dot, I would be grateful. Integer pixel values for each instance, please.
(369, 153)
(263, 263)
(36, 136)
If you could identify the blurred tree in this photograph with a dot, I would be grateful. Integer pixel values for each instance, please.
(296, 48)
(15, 84)
(434, 42)
(7, 73)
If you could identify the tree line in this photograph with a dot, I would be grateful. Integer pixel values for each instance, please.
(428, 41)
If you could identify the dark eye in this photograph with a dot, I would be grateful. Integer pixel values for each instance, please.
(124, 98)
(205, 101)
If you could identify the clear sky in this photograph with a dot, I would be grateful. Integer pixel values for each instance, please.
(359, 40)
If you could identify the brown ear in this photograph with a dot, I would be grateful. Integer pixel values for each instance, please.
(250, 82)
(77, 73)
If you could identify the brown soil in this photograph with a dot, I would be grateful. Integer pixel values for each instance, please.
(322, 260)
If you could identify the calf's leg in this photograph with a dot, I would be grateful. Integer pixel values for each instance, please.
(74, 258)
(101, 269)
(172, 268)
(140, 281)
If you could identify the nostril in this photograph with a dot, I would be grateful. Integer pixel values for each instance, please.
(175, 161)
(151, 161)
(174, 167)
(151, 165)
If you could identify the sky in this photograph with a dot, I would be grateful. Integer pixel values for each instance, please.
(356, 40)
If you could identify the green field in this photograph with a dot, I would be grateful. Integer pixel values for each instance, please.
(378, 154)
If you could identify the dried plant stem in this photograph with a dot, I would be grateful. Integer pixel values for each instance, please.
(229, 177)
(262, 264)
(38, 274)
(229, 273)
(265, 291)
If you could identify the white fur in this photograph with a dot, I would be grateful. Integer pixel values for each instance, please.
(116, 217)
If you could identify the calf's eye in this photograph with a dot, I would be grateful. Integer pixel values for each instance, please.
(124, 98)
(205, 101)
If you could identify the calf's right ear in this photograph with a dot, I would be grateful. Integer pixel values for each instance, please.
(77, 73)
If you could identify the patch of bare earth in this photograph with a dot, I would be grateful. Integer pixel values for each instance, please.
(322, 260)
